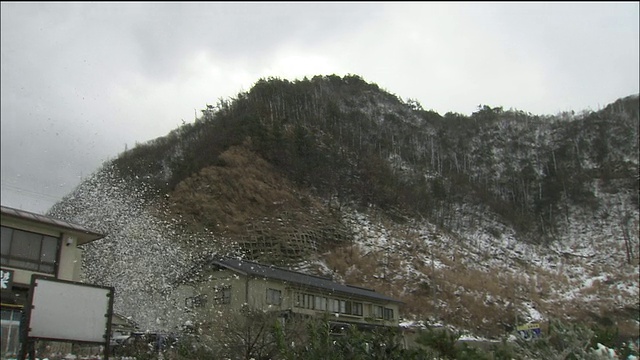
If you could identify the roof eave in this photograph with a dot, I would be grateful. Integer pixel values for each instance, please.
(21, 216)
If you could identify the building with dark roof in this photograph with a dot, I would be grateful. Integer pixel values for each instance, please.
(227, 284)
(34, 244)
(38, 244)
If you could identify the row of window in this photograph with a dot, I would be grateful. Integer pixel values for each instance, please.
(222, 295)
(338, 306)
(321, 303)
(380, 312)
(27, 250)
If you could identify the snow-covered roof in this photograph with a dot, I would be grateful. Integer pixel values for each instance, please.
(84, 235)
(250, 268)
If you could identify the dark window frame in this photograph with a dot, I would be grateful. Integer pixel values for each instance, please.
(309, 301)
(388, 314)
(11, 319)
(378, 312)
(222, 295)
(321, 303)
(357, 308)
(274, 296)
(12, 260)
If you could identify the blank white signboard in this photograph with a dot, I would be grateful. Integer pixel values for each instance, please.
(68, 311)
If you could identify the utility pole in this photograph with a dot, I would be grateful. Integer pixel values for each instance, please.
(433, 286)
(515, 309)
(385, 264)
(433, 281)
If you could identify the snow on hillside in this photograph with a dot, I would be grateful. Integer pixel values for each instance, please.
(574, 266)
(145, 251)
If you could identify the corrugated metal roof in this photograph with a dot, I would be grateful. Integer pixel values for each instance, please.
(89, 235)
(271, 272)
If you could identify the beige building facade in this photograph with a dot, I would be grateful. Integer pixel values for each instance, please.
(34, 244)
(227, 285)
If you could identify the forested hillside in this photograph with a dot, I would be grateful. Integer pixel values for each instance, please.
(351, 142)
(336, 175)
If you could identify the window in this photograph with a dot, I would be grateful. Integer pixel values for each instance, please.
(200, 300)
(303, 300)
(308, 301)
(222, 295)
(388, 314)
(28, 250)
(314, 302)
(196, 301)
(274, 297)
(341, 306)
(321, 303)
(356, 309)
(334, 305)
(10, 322)
(378, 312)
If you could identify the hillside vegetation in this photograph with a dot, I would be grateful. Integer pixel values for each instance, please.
(479, 221)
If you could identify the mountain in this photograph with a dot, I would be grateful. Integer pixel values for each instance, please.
(481, 222)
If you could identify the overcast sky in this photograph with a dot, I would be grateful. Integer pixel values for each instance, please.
(82, 81)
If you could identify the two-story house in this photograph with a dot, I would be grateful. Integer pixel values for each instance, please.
(34, 244)
(229, 284)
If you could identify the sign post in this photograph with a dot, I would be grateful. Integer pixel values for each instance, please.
(60, 310)
(529, 331)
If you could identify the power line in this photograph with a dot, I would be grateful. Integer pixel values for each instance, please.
(33, 194)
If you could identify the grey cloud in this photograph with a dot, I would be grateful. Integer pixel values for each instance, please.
(79, 80)
(154, 39)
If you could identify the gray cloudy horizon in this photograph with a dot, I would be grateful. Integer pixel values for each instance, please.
(82, 81)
